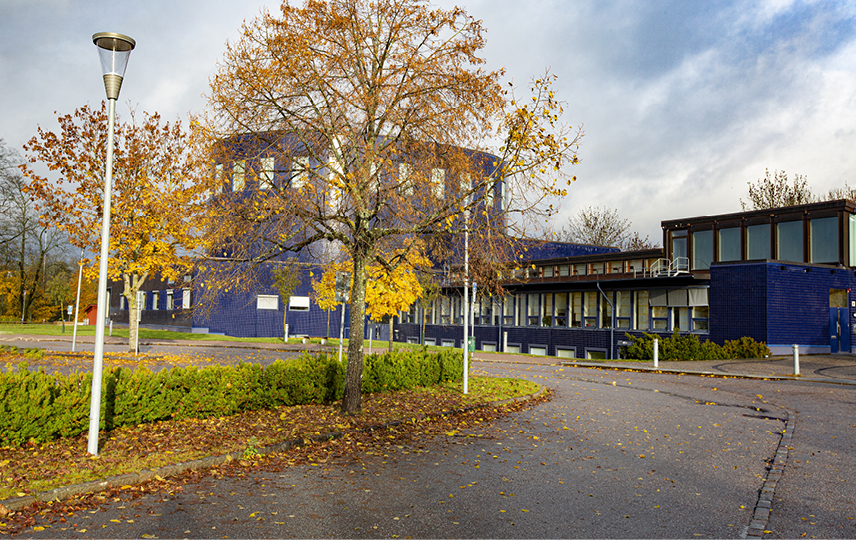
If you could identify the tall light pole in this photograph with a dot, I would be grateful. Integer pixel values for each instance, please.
(114, 50)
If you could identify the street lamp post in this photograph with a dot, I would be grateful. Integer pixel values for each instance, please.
(114, 50)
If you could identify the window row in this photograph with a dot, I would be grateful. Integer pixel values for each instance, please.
(168, 300)
(656, 309)
(300, 169)
(812, 240)
(635, 266)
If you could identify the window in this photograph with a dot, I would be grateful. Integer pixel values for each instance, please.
(590, 309)
(660, 317)
(547, 310)
(636, 266)
(642, 310)
(445, 310)
(606, 311)
(548, 271)
(267, 301)
(758, 241)
(266, 174)
(566, 352)
(185, 299)
(218, 178)
(238, 170)
(701, 319)
(298, 303)
(597, 268)
(681, 318)
(438, 183)
(561, 310)
(155, 299)
(533, 311)
(729, 244)
(789, 241)
(580, 269)
(702, 249)
(538, 350)
(576, 309)
(623, 309)
(141, 301)
(503, 195)
(563, 270)
(679, 244)
(299, 172)
(616, 267)
(488, 195)
(169, 300)
(508, 311)
(404, 181)
(485, 305)
(838, 298)
(823, 240)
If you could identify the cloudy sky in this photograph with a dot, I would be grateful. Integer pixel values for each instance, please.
(683, 102)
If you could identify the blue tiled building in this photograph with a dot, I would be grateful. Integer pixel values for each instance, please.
(782, 276)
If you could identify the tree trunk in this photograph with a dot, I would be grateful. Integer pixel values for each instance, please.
(133, 283)
(351, 402)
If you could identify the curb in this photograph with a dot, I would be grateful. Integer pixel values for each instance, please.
(95, 486)
(763, 508)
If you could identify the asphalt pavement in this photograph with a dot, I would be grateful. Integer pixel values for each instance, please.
(739, 450)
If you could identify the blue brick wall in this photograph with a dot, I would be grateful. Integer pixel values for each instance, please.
(780, 304)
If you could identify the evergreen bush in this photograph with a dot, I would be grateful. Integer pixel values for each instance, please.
(688, 347)
(36, 406)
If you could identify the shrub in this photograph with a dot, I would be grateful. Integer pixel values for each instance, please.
(38, 406)
(688, 347)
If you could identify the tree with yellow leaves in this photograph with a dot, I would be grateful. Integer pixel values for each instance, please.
(155, 194)
(361, 123)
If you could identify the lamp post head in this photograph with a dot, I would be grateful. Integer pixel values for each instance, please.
(114, 50)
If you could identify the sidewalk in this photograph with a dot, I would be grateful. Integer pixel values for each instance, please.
(834, 368)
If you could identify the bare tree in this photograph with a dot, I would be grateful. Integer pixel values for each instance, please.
(596, 226)
(774, 191)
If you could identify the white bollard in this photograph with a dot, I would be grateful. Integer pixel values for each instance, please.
(656, 352)
(796, 359)
(504, 341)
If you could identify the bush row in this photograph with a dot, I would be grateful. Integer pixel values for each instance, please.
(38, 406)
(688, 347)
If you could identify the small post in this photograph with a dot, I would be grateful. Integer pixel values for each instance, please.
(796, 360)
(504, 341)
(342, 332)
(656, 352)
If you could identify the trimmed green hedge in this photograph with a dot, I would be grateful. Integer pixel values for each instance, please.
(40, 407)
(688, 347)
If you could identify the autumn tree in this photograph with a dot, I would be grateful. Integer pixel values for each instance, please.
(602, 226)
(26, 245)
(154, 194)
(351, 119)
(286, 280)
(776, 191)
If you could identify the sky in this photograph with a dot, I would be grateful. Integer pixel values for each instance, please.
(683, 102)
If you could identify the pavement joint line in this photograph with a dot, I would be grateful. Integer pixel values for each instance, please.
(95, 486)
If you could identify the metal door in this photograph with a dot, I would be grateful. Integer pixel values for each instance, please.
(839, 330)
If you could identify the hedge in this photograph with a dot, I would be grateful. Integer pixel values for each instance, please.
(39, 407)
(688, 347)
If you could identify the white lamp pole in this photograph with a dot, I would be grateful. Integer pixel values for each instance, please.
(114, 50)
(77, 302)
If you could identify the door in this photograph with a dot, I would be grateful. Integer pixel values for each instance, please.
(839, 321)
(839, 330)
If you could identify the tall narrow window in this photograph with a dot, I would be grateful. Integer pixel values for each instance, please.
(823, 240)
(218, 178)
(561, 310)
(576, 309)
(590, 309)
(438, 183)
(266, 174)
(547, 309)
(299, 172)
(702, 249)
(642, 310)
(155, 299)
(623, 309)
(238, 170)
(169, 301)
(606, 311)
(185, 299)
(533, 310)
